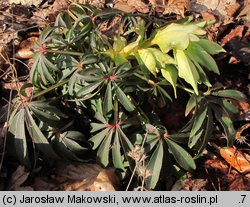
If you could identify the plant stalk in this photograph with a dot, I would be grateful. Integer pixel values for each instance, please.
(145, 79)
(116, 111)
(50, 88)
(65, 52)
(185, 89)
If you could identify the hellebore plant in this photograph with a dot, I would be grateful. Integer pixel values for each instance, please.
(118, 69)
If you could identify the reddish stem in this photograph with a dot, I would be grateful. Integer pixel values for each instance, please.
(111, 78)
(114, 126)
(42, 48)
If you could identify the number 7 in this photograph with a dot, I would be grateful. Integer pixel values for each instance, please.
(244, 196)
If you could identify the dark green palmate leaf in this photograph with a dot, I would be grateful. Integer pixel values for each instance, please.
(116, 153)
(72, 140)
(208, 131)
(98, 138)
(155, 141)
(61, 149)
(223, 109)
(63, 20)
(108, 100)
(153, 137)
(229, 93)
(192, 102)
(17, 128)
(15, 109)
(103, 151)
(38, 138)
(90, 88)
(110, 137)
(180, 138)
(67, 145)
(47, 106)
(47, 113)
(226, 123)
(154, 165)
(197, 128)
(126, 144)
(45, 35)
(123, 99)
(108, 12)
(227, 106)
(97, 126)
(79, 10)
(45, 70)
(182, 157)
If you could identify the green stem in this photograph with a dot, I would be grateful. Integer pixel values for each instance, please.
(65, 52)
(184, 88)
(111, 66)
(145, 79)
(116, 111)
(50, 88)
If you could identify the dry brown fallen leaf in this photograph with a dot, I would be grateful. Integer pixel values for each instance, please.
(177, 7)
(225, 9)
(89, 177)
(237, 43)
(220, 176)
(103, 182)
(208, 16)
(26, 2)
(79, 177)
(131, 6)
(231, 9)
(237, 159)
(245, 13)
(139, 5)
(111, 27)
(12, 86)
(26, 48)
(97, 3)
(48, 15)
(234, 33)
(124, 7)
